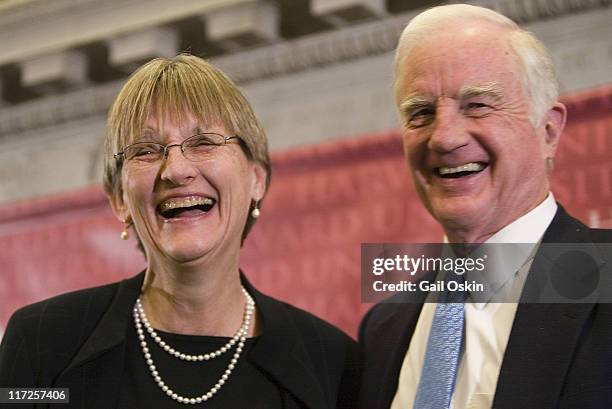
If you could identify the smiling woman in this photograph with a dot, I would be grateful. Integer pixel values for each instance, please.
(186, 169)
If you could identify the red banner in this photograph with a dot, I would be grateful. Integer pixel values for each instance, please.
(323, 203)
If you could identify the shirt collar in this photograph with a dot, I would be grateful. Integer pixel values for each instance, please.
(530, 227)
(519, 240)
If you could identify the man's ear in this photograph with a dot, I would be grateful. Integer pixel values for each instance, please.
(258, 188)
(554, 123)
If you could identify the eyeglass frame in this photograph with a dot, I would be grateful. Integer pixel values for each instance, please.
(120, 156)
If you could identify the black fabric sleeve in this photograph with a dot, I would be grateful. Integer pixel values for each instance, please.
(348, 391)
(16, 369)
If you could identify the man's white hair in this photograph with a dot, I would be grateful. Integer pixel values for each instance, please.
(538, 73)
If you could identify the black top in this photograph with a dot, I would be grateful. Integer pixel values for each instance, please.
(79, 340)
(247, 386)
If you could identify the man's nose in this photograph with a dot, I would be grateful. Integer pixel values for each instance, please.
(448, 131)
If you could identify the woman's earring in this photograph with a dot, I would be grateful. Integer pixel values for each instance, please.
(124, 234)
(255, 212)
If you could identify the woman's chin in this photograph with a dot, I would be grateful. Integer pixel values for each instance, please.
(192, 252)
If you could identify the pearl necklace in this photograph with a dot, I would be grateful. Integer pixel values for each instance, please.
(239, 337)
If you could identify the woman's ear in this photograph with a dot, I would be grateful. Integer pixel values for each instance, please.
(258, 188)
(119, 205)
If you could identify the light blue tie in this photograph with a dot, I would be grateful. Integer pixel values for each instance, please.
(443, 350)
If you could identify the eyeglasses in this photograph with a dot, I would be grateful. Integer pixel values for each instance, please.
(195, 148)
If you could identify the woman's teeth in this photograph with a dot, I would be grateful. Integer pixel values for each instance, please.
(185, 202)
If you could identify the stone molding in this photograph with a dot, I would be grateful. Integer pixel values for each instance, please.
(314, 51)
(34, 9)
(518, 10)
(49, 26)
(284, 58)
(523, 11)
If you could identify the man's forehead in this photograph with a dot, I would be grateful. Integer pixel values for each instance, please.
(456, 43)
(458, 30)
(458, 73)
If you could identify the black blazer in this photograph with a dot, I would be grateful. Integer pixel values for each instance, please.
(77, 340)
(558, 355)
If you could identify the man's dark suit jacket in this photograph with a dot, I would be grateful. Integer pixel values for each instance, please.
(77, 340)
(558, 355)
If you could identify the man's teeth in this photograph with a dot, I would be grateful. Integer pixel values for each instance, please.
(468, 167)
(185, 202)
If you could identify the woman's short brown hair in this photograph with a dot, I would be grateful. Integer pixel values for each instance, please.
(178, 86)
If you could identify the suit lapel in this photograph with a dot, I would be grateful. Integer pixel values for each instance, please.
(390, 334)
(396, 347)
(94, 375)
(538, 354)
(543, 336)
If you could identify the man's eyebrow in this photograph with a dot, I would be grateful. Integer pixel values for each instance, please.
(411, 103)
(490, 89)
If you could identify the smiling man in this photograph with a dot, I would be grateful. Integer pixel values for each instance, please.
(477, 98)
(477, 151)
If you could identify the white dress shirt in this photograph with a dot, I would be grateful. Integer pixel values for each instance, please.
(487, 324)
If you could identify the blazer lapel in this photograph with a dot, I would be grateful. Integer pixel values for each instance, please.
(538, 354)
(94, 375)
(543, 336)
(281, 353)
(390, 335)
(393, 351)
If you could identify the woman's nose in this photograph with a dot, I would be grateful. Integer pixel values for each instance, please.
(175, 167)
